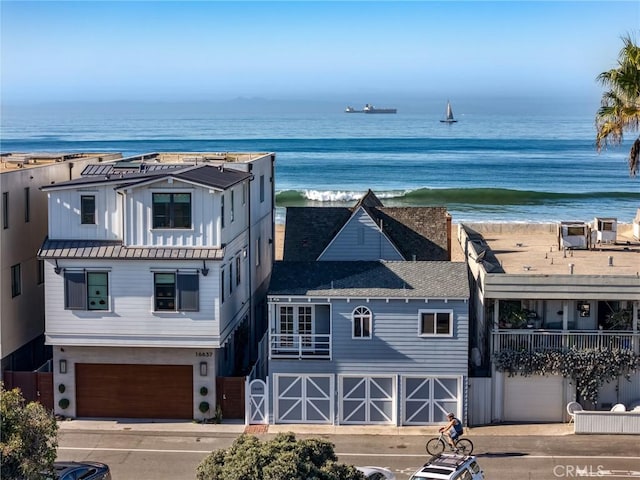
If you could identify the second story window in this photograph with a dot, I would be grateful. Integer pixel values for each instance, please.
(233, 212)
(86, 290)
(16, 280)
(261, 188)
(222, 211)
(171, 210)
(40, 272)
(27, 205)
(5, 210)
(222, 285)
(436, 323)
(362, 322)
(237, 270)
(176, 291)
(88, 209)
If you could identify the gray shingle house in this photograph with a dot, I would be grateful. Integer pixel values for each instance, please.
(368, 318)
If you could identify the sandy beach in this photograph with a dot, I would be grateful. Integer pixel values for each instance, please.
(511, 231)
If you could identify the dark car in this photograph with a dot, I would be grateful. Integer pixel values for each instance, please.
(81, 471)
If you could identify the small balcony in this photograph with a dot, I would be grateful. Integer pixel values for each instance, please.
(307, 346)
(564, 340)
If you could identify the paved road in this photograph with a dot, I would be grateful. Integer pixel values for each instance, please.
(159, 456)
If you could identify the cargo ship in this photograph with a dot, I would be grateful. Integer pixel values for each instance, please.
(371, 109)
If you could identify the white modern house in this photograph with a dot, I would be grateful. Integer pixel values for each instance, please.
(156, 274)
(23, 228)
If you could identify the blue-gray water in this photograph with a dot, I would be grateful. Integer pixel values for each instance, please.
(515, 168)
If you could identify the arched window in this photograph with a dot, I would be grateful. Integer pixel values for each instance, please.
(362, 322)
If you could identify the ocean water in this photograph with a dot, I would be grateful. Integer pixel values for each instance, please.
(485, 168)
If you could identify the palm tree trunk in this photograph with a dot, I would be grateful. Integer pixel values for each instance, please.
(634, 157)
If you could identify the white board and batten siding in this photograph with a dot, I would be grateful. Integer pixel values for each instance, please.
(64, 214)
(205, 217)
(360, 239)
(131, 321)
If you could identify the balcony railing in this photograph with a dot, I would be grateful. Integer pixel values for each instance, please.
(559, 340)
(316, 346)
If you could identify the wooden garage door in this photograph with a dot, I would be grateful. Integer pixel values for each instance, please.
(134, 391)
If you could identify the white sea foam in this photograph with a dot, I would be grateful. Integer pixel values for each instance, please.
(347, 196)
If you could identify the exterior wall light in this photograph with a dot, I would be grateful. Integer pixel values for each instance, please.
(203, 369)
(62, 365)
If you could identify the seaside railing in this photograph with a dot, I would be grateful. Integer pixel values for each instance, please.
(561, 340)
(311, 346)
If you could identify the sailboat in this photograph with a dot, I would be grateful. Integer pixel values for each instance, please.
(449, 115)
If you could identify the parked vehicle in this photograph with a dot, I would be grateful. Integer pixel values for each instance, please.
(450, 466)
(81, 470)
(377, 473)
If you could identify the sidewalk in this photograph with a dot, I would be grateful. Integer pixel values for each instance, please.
(236, 428)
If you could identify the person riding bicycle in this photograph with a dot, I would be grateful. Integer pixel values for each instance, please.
(452, 430)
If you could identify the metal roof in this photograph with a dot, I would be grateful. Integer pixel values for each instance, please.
(58, 249)
(205, 175)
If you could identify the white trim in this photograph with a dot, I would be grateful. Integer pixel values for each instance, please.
(435, 311)
(353, 323)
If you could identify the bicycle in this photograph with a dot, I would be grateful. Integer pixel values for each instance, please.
(437, 445)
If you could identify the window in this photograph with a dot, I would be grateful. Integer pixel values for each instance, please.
(261, 188)
(171, 210)
(296, 321)
(88, 209)
(244, 193)
(5, 209)
(222, 285)
(436, 322)
(237, 270)
(230, 278)
(258, 242)
(233, 213)
(16, 280)
(86, 290)
(362, 322)
(27, 206)
(222, 210)
(176, 291)
(40, 272)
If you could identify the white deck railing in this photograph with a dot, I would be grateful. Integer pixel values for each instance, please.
(300, 346)
(557, 340)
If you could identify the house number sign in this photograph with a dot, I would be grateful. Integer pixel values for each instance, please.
(204, 354)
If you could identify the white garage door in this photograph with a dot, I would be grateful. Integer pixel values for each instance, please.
(533, 399)
(367, 400)
(303, 398)
(427, 400)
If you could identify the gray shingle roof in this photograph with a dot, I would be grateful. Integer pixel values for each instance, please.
(371, 279)
(52, 249)
(419, 231)
(310, 229)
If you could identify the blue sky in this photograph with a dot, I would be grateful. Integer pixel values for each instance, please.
(210, 50)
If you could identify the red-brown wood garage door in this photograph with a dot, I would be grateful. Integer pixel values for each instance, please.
(134, 391)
